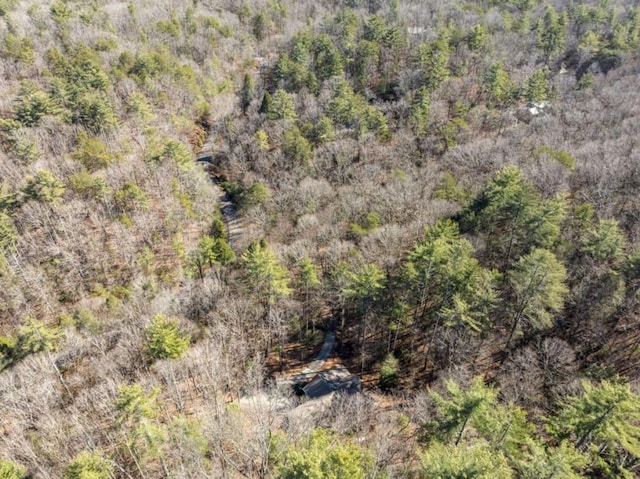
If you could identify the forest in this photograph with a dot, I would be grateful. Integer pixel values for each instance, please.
(199, 198)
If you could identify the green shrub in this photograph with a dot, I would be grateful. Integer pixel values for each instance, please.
(11, 470)
(93, 153)
(17, 48)
(89, 465)
(60, 12)
(35, 337)
(88, 186)
(371, 223)
(177, 151)
(138, 105)
(282, 107)
(44, 187)
(164, 340)
(389, 373)
(95, 111)
(131, 197)
(218, 228)
(8, 233)
(296, 147)
(323, 131)
(84, 318)
(255, 195)
(23, 147)
(32, 106)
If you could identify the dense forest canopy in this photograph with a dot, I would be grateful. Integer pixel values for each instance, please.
(194, 195)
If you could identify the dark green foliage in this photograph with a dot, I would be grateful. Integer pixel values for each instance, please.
(501, 90)
(177, 152)
(60, 12)
(449, 189)
(323, 131)
(309, 273)
(82, 69)
(370, 223)
(147, 66)
(365, 285)
(446, 281)
(246, 93)
(420, 108)
(352, 110)
(551, 33)
(265, 273)
(44, 187)
(218, 228)
(586, 81)
(475, 416)
(378, 118)
(365, 64)
(280, 106)
(328, 62)
(375, 29)
(388, 373)
(433, 63)
(34, 337)
(563, 461)
(32, 106)
(164, 340)
(23, 146)
(477, 38)
(95, 111)
(461, 409)
(255, 194)
(134, 403)
(211, 251)
(537, 89)
(296, 147)
(512, 217)
(266, 104)
(262, 24)
(8, 233)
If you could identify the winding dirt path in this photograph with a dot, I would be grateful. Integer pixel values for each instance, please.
(235, 232)
(235, 227)
(314, 366)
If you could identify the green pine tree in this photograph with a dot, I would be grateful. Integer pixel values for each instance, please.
(364, 287)
(478, 461)
(324, 456)
(246, 93)
(164, 340)
(537, 88)
(604, 422)
(433, 62)
(500, 87)
(266, 275)
(89, 465)
(538, 281)
(459, 409)
(551, 33)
